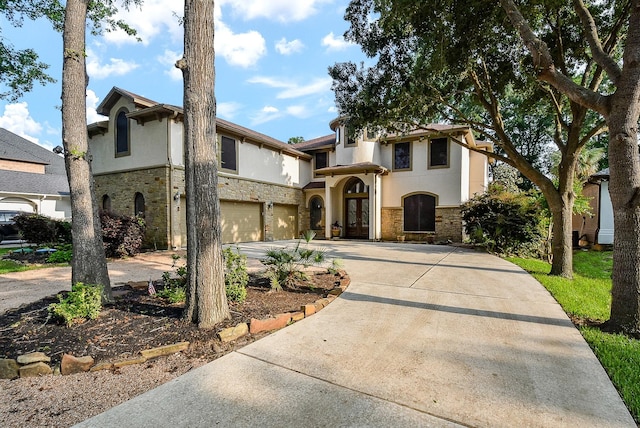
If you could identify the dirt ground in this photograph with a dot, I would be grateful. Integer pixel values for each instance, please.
(136, 321)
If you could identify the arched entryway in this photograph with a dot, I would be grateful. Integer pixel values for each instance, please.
(356, 203)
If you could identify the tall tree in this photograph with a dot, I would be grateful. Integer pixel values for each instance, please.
(89, 264)
(583, 59)
(430, 66)
(206, 294)
(621, 110)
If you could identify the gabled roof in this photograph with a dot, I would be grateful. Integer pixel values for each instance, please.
(115, 94)
(52, 182)
(325, 142)
(149, 110)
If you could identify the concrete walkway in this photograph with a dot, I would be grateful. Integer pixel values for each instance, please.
(429, 336)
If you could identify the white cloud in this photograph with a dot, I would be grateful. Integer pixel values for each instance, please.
(267, 114)
(287, 48)
(277, 10)
(298, 111)
(92, 104)
(153, 18)
(294, 90)
(168, 59)
(332, 109)
(333, 43)
(115, 67)
(17, 119)
(228, 110)
(238, 49)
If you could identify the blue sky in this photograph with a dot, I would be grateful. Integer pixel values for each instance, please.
(271, 65)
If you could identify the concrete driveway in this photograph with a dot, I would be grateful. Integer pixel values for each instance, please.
(425, 335)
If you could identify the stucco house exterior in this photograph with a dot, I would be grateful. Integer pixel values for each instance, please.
(376, 188)
(32, 178)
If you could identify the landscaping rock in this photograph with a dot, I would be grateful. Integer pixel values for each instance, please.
(269, 324)
(71, 364)
(9, 369)
(130, 362)
(336, 291)
(35, 369)
(297, 316)
(164, 350)
(101, 366)
(33, 357)
(232, 333)
(308, 309)
(323, 302)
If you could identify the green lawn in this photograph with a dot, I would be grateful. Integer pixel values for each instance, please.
(7, 266)
(588, 296)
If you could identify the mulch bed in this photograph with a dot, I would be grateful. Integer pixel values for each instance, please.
(138, 321)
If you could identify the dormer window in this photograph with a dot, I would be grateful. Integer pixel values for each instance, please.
(123, 147)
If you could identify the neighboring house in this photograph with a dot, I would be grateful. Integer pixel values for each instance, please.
(32, 178)
(596, 228)
(410, 186)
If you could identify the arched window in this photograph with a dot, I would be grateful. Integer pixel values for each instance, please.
(355, 185)
(122, 134)
(316, 206)
(106, 203)
(139, 209)
(419, 213)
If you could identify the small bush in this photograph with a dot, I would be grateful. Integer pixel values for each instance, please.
(64, 254)
(285, 265)
(63, 232)
(174, 285)
(236, 276)
(122, 235)
(36, 229)
(83, 302)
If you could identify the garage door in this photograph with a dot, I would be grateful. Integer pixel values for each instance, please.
(285, 222)
(241, 221)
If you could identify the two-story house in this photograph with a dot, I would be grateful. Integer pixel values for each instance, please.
(384, 187)
(378, 188)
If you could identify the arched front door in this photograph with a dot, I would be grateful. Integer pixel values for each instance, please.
(356, 202)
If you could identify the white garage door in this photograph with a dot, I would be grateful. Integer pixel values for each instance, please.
(16, 204)
(241, 221)
(285, 222)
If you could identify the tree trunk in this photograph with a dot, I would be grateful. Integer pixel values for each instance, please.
(624, 185)
(206, 294)
(89, 264)
(561, 241)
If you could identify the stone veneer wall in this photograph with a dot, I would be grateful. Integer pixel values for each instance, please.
(153, 185)
(237, 189)
(448, 226)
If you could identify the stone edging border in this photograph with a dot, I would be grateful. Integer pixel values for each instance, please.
(36, 363)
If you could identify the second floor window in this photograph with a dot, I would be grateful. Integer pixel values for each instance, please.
(402, 156)
(122, 134)
(228, 154)
(320, 160)
(439, 153)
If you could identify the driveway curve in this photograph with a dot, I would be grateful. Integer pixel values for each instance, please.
(425, 335)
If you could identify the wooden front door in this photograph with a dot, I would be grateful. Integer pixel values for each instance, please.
(357, 218)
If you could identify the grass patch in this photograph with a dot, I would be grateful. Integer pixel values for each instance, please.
(8, 266)
(588, 296)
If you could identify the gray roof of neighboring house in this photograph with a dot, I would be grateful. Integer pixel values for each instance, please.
(604, 174)
(326, 141)
(15, 148)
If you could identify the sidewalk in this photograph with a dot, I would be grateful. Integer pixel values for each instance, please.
(425, 335)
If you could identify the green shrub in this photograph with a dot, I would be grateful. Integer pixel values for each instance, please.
(84, 301)
(505, 222)
(122, 235)
(285, 265)
(64, 254)
(174, 286)
(63, 232)
(36, 229)
(236, 276)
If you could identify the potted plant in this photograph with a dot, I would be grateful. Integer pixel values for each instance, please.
(336, 229)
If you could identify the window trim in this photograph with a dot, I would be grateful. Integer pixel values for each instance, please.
(429, 165)
(350, 141)
(435, 208)
(393, 156)
(117, 154)
(139, 213)
(220, 165)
